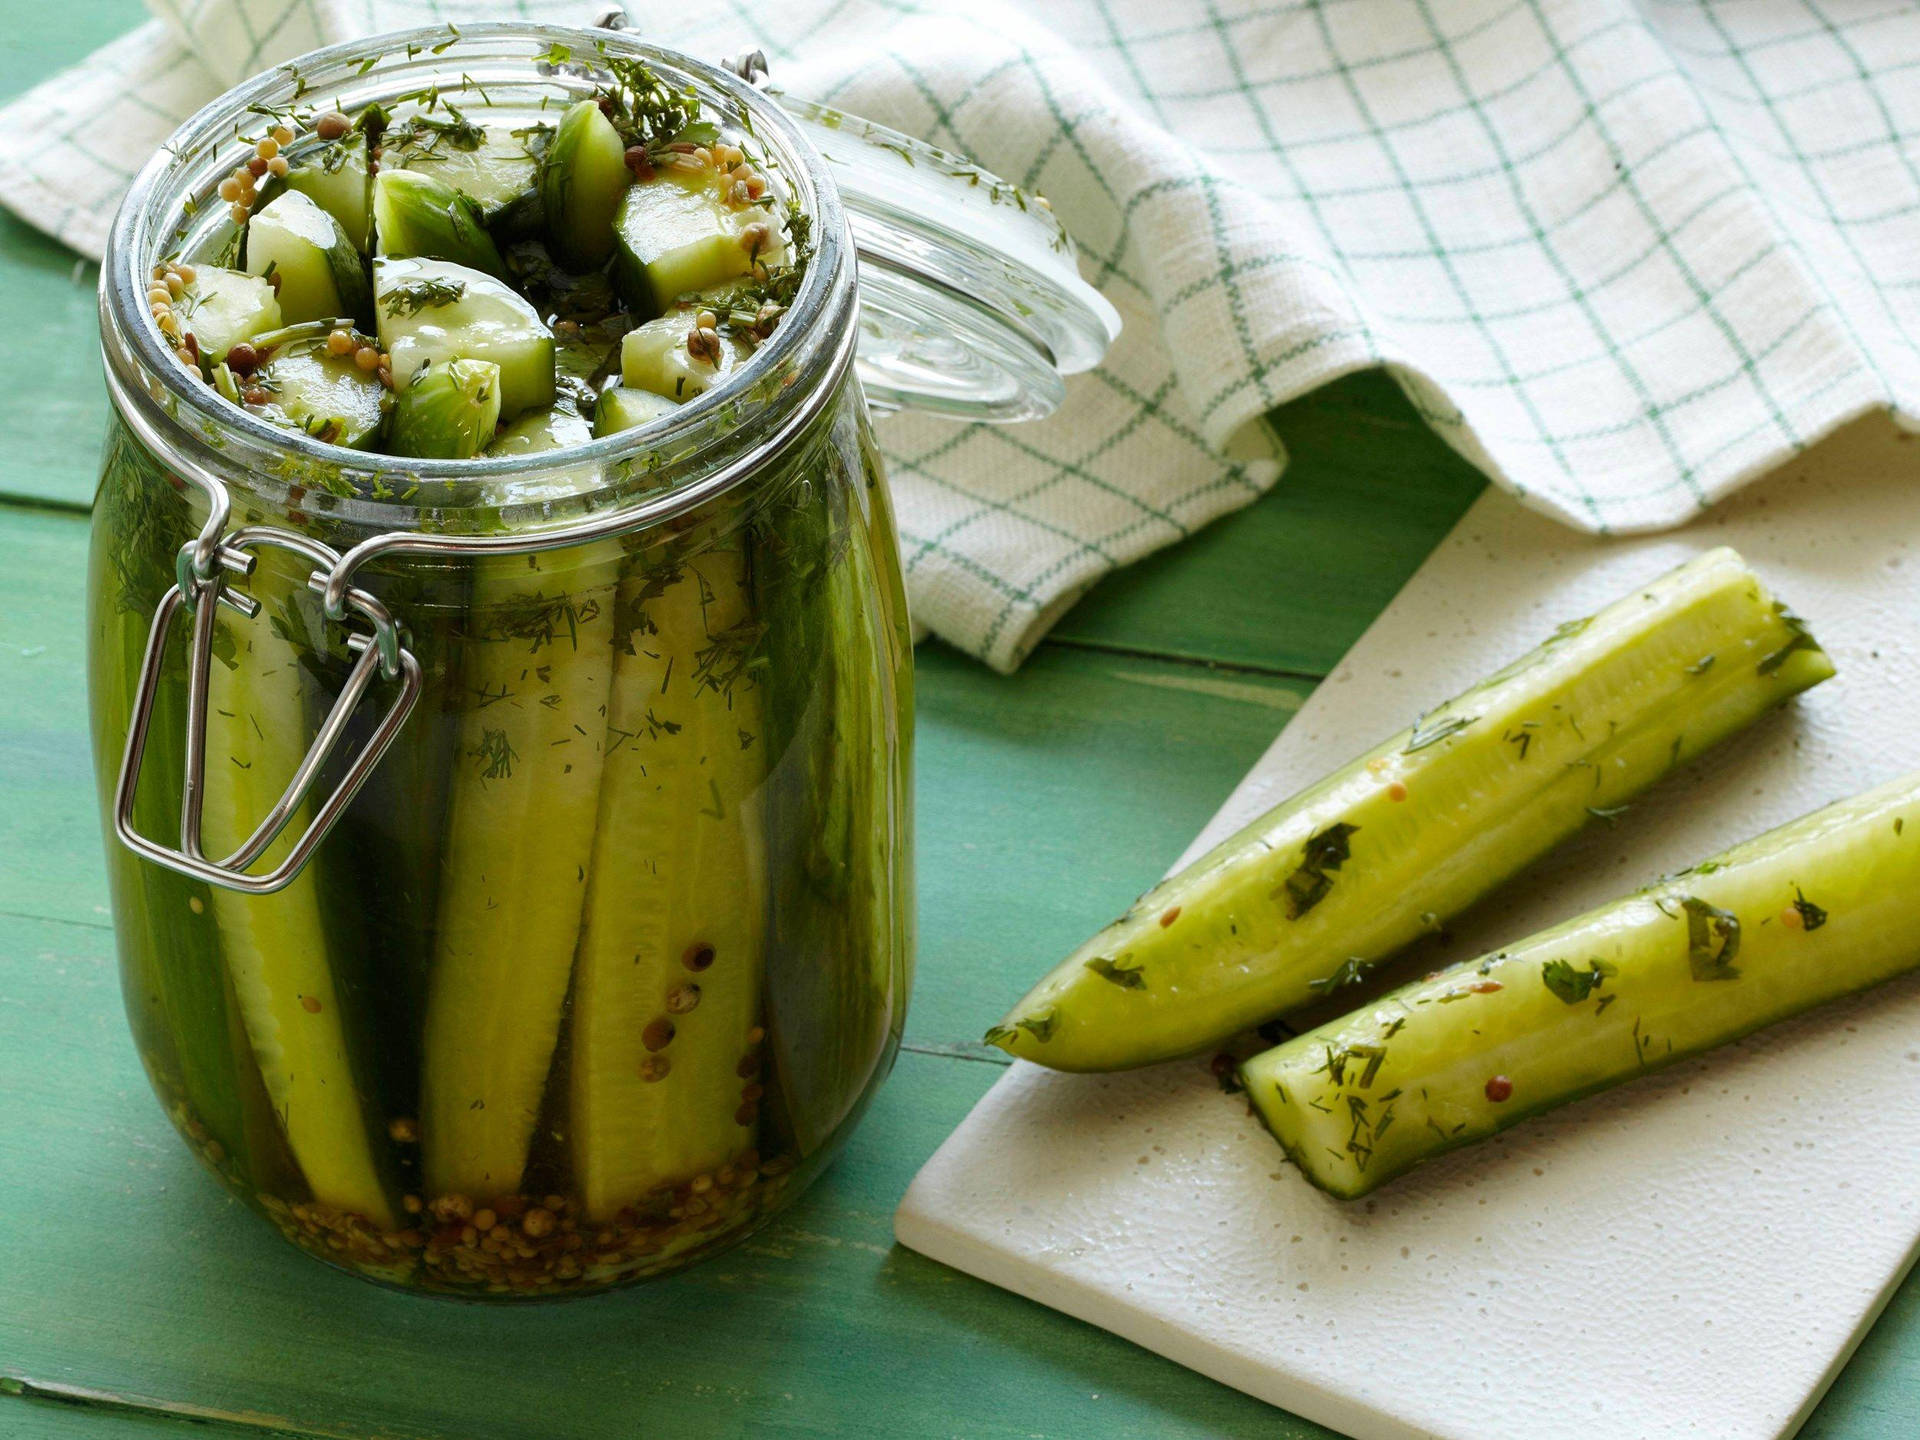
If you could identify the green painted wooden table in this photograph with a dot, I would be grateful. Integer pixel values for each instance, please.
(137, 1302)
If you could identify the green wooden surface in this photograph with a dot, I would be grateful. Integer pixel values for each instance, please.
(137, 1303)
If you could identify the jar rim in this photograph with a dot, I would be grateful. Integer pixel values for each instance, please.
(813, 341)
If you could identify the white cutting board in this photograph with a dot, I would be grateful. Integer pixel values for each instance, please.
(1693, 1255)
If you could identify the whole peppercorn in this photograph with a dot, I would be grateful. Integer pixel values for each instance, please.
(1499, 1089)
(242, 359)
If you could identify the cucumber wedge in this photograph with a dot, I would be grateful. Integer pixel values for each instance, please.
(339, 181)
(1352, 869)
(447, 412)
(676, 234)
(666, 991)
(542, 430)
(622, 409)
(276, 946)
(435, 311)
(223, 307)
(417, 215)
(835, 919)
(326, 396)
(319, 272)
(654, 357)
(535, 668)
(1817, 909)
(582, 181)
(494, 166)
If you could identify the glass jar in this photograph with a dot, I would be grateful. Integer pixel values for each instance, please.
(511, 858)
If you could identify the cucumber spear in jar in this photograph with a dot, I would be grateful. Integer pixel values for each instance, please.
(1324, 886)
(1817, 909)
(667, 1024)
(276, 946)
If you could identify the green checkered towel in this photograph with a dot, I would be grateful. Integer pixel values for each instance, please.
(1623, 256)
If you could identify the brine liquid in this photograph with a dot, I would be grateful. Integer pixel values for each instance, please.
(597, 970)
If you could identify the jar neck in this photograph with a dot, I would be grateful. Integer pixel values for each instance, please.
(711, 444)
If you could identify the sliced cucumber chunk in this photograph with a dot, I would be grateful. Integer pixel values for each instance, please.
(338, 180)
(494, 166)
(224, 307)
(582, 181)
(447, 412)
(540, 430)
(320, 273)
(655, 357)
(624, 409)
(415, 214)
(676, 234)
(327, 396)
(434, 311)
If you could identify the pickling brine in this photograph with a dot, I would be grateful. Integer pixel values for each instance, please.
(598, 967)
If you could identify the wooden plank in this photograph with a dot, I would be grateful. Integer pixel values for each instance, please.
(48, 825)
(128, 1273)
(1289, 583)
(52, 405)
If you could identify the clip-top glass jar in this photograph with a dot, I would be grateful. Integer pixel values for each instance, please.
(511, 857)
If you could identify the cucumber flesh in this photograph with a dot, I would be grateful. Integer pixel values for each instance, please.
(623, 409)
(276, 945)
(1354, 868)
(417, 215)
(318, 272)
(224, 307)
(1817, 909)
(582, 180)
(539, 662)
(666, 991)
(327, 396)
(447, 412)
(494, 166)
(540, 430)
(432, 311)
(654, 357)
(675, 235)
(339, 181)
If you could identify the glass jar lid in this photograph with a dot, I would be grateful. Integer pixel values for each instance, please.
(970, 302)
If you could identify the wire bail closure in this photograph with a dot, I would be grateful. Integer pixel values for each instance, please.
(201, 596)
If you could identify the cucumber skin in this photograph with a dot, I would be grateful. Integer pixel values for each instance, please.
(1213, 948)
(582, 182)
(1859, 860)
(418, 217)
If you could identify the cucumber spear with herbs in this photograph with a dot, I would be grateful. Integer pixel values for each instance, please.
(666, 1021)
(1817, 909)
(276, 946)
(1329, 883)
(535, 671)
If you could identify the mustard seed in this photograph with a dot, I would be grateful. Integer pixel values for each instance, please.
(340, 342)
(332, 125)
(367, 358)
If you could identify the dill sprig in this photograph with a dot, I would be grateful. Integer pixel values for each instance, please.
(410, 297)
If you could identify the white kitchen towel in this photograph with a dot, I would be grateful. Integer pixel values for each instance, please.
(1623, 256)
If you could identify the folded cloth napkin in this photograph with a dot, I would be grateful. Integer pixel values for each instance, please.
(1624, 255)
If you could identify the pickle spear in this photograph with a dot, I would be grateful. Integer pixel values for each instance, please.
(1353, 868)
(1820, 908)
(535, 674)
(666, 992)
(275, 945)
